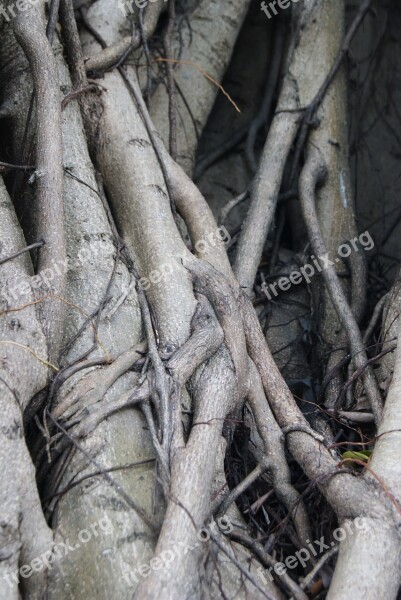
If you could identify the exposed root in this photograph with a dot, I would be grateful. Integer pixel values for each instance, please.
(312, 176)
(49, 209)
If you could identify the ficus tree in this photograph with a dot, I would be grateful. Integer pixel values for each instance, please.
(200, 386)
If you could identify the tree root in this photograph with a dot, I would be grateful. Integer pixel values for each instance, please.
(49, 209)
(313, 174)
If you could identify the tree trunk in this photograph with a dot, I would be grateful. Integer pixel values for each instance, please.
(199, 368)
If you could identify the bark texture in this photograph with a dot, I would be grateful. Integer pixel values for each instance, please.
(184, 405)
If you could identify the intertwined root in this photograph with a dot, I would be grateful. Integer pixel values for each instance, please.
(212, 360)
(204, 363)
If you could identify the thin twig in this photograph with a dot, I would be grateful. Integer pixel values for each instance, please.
(42, 360)
(170, 80)
(225, 503)
(23, 251)
(5, 167)
(205, 74)
(322, 560)
(240, 567)
(258, 549)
